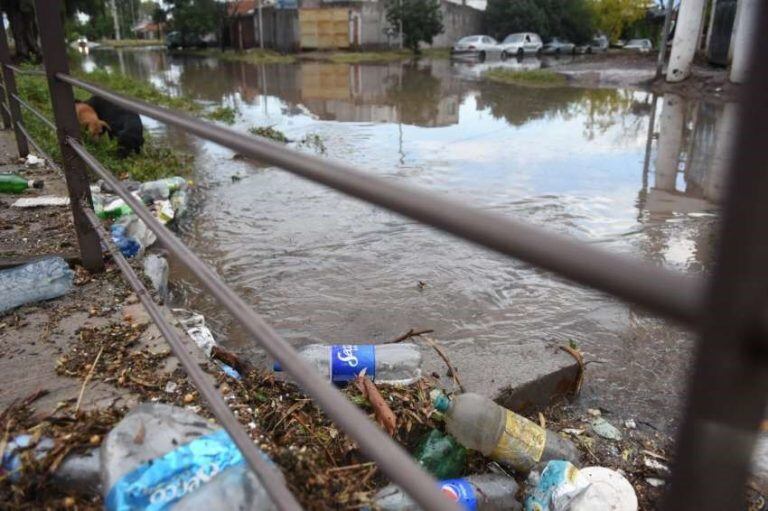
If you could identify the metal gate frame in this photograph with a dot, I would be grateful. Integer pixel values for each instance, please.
(727, 392)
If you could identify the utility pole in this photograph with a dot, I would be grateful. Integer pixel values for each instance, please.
(686, 41)
(261, 28)
(115, 19)
(664, 38)
(400, 22)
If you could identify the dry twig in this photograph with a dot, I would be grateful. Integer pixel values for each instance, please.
(454, 373)
(88, 379)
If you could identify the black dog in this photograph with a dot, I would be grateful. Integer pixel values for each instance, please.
(124, 125)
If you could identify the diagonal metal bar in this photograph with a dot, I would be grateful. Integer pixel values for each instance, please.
(37, 113)
(268, 475)
(662, 291)
(31, 72)
(391, 458)
(727, 394)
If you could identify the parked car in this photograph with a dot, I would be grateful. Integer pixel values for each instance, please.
(175, 40)
(641, 45)
(599, 43)
(477, 46)
(520, 44)
(557, 46)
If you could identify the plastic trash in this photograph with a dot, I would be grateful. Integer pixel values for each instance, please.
(42, 201)
(153, 190)
(396, 364)
(195, 326)
(480, 424)
(441, 455)
(156, 270)
(128, 184)
(484, 492)
(164, 211)
(563, 487)
(179, 202)
(40, 280)
(114, 209)
(138, 230)
(605, 429)
(128, 246)
(77, 472)
(11, 183)
(33, 161)
(160, 456)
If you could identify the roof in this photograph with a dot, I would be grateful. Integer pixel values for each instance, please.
(241, 8)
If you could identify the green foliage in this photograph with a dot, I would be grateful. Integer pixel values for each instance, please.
(268, 132)
(541, 77)
(197, 17)
(225, 114)
(313, 141)
(613, 17)
(421, 20)
(155, 160)
(253, 56)
(571, 19)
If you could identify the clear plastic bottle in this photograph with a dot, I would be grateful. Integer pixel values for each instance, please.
(480, 424)
(163, 457)
(395, 364)
(486, 492)
(39, 280)
(11, 183)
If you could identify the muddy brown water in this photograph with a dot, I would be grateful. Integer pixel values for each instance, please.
(322, 267)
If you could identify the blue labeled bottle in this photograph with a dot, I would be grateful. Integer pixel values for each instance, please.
(394, 364)
(486, 492)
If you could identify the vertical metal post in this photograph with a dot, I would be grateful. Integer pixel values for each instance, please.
(664, 38)
(727, 395)
(54, 49)
(9, 81)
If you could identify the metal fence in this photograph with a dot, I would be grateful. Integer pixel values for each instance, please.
(727, 390)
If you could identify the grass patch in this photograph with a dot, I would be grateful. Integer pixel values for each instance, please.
(268, 132)
(225, 114)
(130, 43)
(155, 160)
(355, 57)
(254, 56)
(536, 77)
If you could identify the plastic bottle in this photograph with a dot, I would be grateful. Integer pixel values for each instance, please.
(154, 190)
(127, 245)
(161, 457)
(114, 210)
(480, 424)
(395, 364)
(12, 183)
(179, 201)
(40, 280)
(486, 492)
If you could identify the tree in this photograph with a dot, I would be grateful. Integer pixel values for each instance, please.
(21, 16)
(421, 20)
(197, 17)
(612, 17)
(571, 19)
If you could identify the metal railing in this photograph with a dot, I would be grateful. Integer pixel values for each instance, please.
(727, 395)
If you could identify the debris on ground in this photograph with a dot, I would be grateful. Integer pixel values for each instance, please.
(43, 279)
(605, 429)
(41, 201)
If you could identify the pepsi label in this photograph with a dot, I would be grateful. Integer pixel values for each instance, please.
(460, 491)
(349, 360)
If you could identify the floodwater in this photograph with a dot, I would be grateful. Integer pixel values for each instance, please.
(322, 267)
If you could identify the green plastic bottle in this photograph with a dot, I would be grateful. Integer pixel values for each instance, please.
(12, 183)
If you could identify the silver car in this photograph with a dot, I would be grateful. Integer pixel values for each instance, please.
(523, 43)
(641, 45)
(475, 46)
(557, 46)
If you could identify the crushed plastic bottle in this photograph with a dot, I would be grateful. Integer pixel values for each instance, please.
(128, 245)
(40, 280)
(179, 201)
(154, 190)
(156, 270)
(485, 492)
(563, 487)
(441, 455)
(164, 211)
(12, 183)
(482, 425)
(161, 456)
(395, 364)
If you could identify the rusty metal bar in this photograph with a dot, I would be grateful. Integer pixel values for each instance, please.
(659, 290)
(31, 72)
(37, 113)
(727, 394)
(55, 60)
(267, 473)
(38, 148)
(9, 82)
(392, 459)
(4, 112)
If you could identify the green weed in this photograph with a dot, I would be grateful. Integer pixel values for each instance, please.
(538, 77)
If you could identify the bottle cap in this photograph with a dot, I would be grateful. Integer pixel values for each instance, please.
(37, 183)
(441, 402)
(277, 367)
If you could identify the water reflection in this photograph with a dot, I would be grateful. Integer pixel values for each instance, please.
(622, 168)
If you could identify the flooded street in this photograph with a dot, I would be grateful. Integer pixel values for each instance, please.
(325, 268)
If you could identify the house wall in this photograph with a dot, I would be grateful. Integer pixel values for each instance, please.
(281, 29)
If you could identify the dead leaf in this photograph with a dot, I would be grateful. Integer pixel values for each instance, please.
(381, 409)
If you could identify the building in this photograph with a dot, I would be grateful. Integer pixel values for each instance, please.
(148, 30)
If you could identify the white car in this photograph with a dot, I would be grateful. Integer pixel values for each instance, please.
(524, 43)
(476, 46)
(641, 45)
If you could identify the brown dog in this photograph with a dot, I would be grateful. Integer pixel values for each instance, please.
(88, 119)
